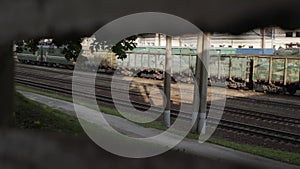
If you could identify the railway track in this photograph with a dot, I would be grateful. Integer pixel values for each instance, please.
(107, 77)
(229, 110)
(267, 133)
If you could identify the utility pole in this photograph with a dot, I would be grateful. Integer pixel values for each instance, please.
(203, 83)
(273, 36)
(230, 68)
(201, 74)
(270, 70)
(196, 100)
(285, 71)
(180, 41)
(262, 33)
(42, 51)
(167, 81)
(159, 39)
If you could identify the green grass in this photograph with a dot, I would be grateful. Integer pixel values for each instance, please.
(288, 157)
(33, 115)
(103, 109)
(27, 89)
(293, 158)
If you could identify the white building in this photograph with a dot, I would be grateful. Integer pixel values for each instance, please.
(273, 38)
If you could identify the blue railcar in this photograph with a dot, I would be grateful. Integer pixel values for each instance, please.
(254, 51)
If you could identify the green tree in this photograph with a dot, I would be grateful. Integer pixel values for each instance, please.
(124, 45)
(72, 48)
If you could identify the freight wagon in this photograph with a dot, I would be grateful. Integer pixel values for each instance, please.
(239, 68)
(52, 56)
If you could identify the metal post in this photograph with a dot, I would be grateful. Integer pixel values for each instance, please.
(149, 56)
(128, 63)
(42, 51)
(142, 60)
(180, 64)
(111, 62)
(230, 67)
(200, 98)
(156, 62)
(180, 41)
(190, 66)
(159, 39)
(285, 71)
(298, 77)
(219, 59)
(167, 81)
(203, 84)
(270, 69)
(272, 37)
(251, 74)
(135, 68)
(196, 100)
(262, 32)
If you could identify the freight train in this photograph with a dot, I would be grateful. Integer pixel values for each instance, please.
(45, 55)
(242, 68)
(52, 56)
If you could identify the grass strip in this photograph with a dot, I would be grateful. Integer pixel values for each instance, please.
(70, 124)
(30, 114)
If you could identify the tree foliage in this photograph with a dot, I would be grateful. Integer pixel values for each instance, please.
(30, 45)
(72, 48)
(124, 45)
